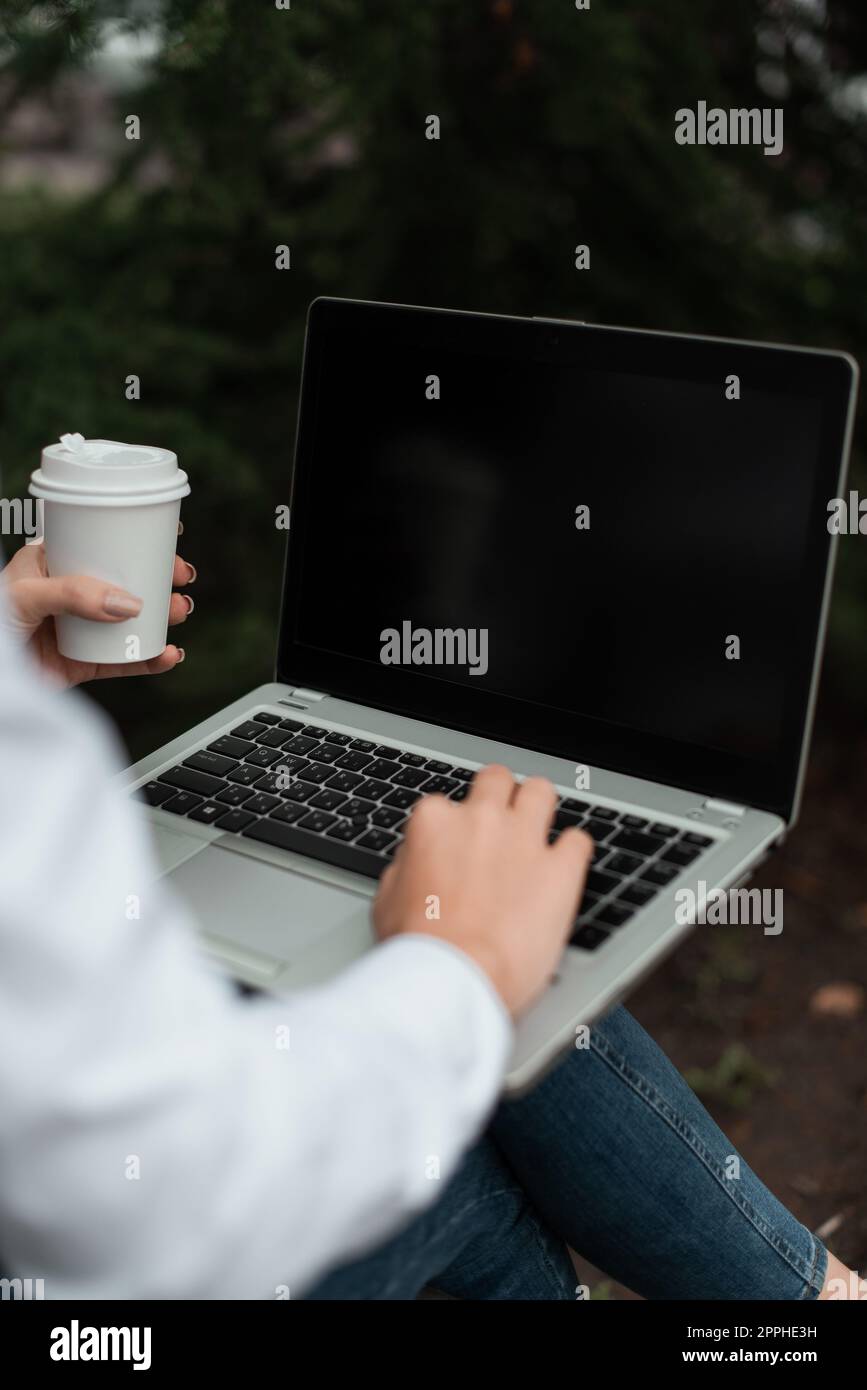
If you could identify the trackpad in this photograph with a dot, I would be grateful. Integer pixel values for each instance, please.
(173, 847)
(263, 912)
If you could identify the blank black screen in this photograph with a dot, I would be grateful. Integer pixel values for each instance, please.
(459, 512)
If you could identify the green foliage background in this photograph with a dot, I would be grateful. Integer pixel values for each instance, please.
(557, 128)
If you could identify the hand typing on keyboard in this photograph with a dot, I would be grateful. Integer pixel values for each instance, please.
(503, 894)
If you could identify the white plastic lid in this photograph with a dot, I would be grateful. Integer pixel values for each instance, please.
(105, 472)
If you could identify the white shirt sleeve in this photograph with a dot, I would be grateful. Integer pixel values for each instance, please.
(159, 1135)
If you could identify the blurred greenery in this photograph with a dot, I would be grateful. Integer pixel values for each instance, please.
(734, 1079)
(306, 126)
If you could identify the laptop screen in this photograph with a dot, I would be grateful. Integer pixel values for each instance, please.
(604, 544)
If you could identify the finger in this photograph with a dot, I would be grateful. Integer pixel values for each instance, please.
(180, 608)
(535, 801)
(427, 816)
(571, 853)
(573, 848)
(77, 595)
(156, 666)
(183, 573)
(386, 882)
(492, 786)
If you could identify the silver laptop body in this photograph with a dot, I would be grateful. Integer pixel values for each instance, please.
(281, 920)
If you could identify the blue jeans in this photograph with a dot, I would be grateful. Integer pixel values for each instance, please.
(613, 1155)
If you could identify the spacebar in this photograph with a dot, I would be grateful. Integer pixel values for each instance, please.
(362, 861)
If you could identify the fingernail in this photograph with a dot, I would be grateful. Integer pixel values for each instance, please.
(194, 573)
(191, 602)
(181, 657)
(121, 605)
(180, 528)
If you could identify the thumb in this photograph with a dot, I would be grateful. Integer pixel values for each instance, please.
(75, 595)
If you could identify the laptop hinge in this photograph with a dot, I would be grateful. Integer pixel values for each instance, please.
(724, 808)
(301, 692)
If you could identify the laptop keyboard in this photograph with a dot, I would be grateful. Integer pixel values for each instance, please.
(345, 801)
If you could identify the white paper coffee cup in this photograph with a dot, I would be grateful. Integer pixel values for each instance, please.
(111, 511)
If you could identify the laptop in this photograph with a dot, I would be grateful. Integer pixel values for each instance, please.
(597, 554)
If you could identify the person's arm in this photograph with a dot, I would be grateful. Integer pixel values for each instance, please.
(157, 1136)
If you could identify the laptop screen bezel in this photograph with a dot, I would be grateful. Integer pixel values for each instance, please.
(419, 695)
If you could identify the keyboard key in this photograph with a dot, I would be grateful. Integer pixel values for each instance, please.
(660, 828)
(181, 804)
(326, 753)
(318, 773)
(345, 830)
(563, 819)
(353, 762)
(410, 777)
(589, 938)
(363, 745)
(464, 774)
(235, 821)
(263, 757)
(693, 838)
(601, 883)
(188, 780)
(233, 796)
(328, 800)
(588, 902)
(300, 791)
(318, 821)
(412, 759)
(442, 785)
(248, 730)
(211, 762)
(373, 789)
(245, 775)
(342, 739)
(614, 914)
(637, 893)
(681, 854)
(313, 731)
(388, 817)
(636, 842)
(633, 822)
(434, 766)
(570, 803)
(460, 793)
(356, 807)
(402, 798)
(277, 782)
(661, 873)
(232, 747)
(383, 768)
(265, 718)
(599, 829)
(603, 813)
(331, 851)
(290, 765)
(155, 793)
(274, 738)
(376, 839)
(293, 725)
(601, 855)
(208, 812)
(300, 744)
(346, 781)
(260, 803)
(621, 863)
(289, 812)
(383, 751)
